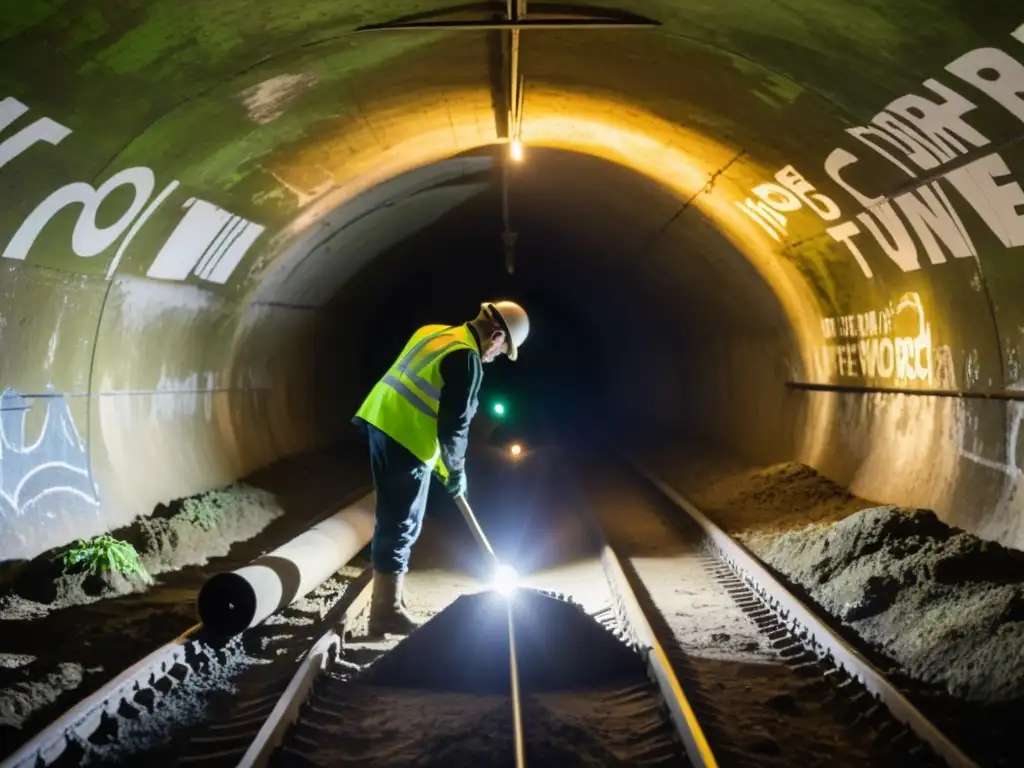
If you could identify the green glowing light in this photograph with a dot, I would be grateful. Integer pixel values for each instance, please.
(499, 409)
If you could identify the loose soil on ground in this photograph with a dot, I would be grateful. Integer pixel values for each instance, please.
(755, 710)
(64, 634)
(941, 610)
(441, 696)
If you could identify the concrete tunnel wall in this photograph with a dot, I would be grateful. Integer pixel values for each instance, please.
(812, 193)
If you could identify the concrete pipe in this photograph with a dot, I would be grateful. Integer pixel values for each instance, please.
(232, 601)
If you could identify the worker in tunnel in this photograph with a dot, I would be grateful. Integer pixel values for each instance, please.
(417, 419)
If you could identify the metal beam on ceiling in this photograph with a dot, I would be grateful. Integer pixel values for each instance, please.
(545, 16)
(515, 10)
(480, 17)
(522, 24)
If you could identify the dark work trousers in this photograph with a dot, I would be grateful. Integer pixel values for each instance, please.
(402, 482)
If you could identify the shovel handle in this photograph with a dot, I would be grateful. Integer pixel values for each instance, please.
(474, 526)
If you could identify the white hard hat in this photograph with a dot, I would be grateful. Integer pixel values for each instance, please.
(514, 321)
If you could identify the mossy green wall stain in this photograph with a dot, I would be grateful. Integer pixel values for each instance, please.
(16, 16)
(175, 36)
(199, 33)
(90, 26)
(779, 92)
(162, 89)
(213, 143)
(891, 47)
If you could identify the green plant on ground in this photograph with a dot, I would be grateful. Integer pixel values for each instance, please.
(105, 553)
(202, 512)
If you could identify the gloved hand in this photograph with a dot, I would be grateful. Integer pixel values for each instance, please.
(456, 484)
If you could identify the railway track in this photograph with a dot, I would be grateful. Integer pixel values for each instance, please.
(633, 699)
(164, 693)
(850, 684)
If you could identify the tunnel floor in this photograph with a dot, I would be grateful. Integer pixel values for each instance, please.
(53, 656)
(442, 696)
(728, 659)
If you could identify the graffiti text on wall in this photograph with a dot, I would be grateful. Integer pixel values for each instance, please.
(927, 137)
(893, 343)
(54, 463)
(208, 241)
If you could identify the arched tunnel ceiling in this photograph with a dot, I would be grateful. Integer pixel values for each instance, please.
(810, 192)
(281, 117)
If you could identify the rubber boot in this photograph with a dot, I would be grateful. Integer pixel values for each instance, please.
(387, 612)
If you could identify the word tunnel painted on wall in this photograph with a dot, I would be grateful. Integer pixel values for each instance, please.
(930, 139)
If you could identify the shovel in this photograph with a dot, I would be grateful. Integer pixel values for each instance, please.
(504, 576)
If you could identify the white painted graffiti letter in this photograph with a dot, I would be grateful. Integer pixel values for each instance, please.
(43, 129)
(87, 239)
(55, 463)
(874, 345)
(208, 242)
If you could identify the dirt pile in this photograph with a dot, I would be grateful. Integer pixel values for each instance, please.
(465, 648)
(940, 603)
(186, 705)
(365, 726)
(773, 499)
(204, 526)
(189, 532)
(46, 585)
(30, 688)
(946, 605)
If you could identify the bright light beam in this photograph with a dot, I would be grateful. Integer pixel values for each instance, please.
(505, 580)
(516, 150)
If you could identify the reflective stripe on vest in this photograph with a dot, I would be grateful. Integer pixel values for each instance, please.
(405, 401)
(404, 366)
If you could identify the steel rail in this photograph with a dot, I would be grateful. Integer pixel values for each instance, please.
(843, 655)
(287, 709)
(631, 614)
(681, 712)
(517, 706)
(295, 695)
(517, 709)
(82, 719)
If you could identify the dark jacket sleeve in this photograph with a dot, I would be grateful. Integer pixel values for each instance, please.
(462, 373)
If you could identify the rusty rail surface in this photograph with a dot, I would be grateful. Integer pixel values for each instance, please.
(286, 711)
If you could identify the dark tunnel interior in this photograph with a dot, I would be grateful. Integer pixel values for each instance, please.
(770, 252)
(603, 327)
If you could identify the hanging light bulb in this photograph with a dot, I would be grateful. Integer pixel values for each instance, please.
(515, 150)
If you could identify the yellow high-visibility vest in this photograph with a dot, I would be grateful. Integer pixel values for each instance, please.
(404, 403)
